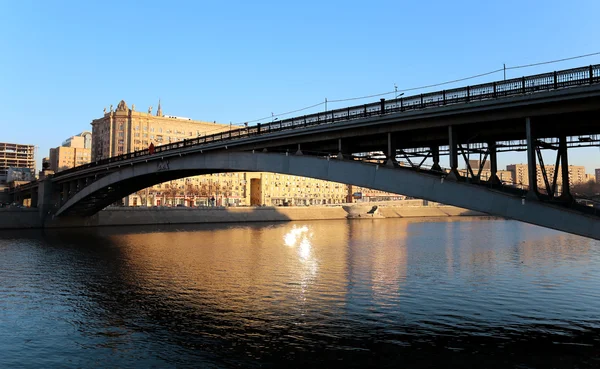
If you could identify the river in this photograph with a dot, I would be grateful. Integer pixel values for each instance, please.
(468, 292)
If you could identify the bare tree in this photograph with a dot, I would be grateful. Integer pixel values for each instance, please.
(171, 191)
(193, 191)
(142, 194)
(588, 189)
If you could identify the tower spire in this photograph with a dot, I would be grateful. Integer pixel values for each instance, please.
(159, 111)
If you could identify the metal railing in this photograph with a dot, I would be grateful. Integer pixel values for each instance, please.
(494, 90)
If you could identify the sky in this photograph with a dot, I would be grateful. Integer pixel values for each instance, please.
(62, 62)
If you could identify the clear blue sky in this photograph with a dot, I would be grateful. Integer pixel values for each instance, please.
(62, 62)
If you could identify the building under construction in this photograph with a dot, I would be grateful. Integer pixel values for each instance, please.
(15, 156)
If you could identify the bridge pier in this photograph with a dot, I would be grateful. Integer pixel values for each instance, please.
(453, 147)
(64, 196)
(34, 198)
(435, 155)
(341, 149)
(46, 198)
(72, 188)
(299, 152)
(493, 163)
(391, 151)
(562, 151)
(531, 161)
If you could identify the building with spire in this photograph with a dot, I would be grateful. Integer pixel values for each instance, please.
(125, 130)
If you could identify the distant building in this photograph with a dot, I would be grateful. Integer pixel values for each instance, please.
(598, 176)
(474, 164)
(504, 176)
(521, 176)
(590, 178)
(75, 151)
(15, 156)
(19, 175)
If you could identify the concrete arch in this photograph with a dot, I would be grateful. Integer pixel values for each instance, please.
(406, 182)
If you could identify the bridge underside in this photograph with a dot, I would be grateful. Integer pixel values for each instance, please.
(129, 179)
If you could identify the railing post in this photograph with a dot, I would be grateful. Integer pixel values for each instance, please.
(421, 101)
(401, 104)
(468, 93)
(523, 84)
(258, 128)
(444, 94)
(555, 80)
(365, 112)
(382, 106)
(591, 74)
(495, 90)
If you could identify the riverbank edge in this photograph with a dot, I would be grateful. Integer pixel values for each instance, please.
(29, 218)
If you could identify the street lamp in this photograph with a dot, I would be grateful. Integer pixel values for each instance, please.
(396, 94)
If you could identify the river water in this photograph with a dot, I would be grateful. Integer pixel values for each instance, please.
(455, 293)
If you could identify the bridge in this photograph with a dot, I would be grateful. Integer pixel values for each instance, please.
(384, 145)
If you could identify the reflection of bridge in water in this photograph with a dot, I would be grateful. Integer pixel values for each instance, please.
(553, 111)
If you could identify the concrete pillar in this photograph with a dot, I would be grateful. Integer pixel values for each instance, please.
(299, 152)
(391, 151)
(80, 184)
(453, 147)
(435, 155)
(531, 161)
(564, 160)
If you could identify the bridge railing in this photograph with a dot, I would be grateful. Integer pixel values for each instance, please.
(494, 90)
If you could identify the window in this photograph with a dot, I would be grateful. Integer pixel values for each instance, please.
(137, 135)
(121, 134)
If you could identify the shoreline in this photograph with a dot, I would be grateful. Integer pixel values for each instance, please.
(129, 216)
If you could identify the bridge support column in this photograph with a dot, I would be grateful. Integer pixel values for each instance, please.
(453, 147)
(435, 155)
(493, 163)
(299, 152)
(80, 184)
(565, 195)
(72, 188)
(391, 151)
(64, 196)
(341, 150)
(46, 198)
(531, 161)
(34, 198)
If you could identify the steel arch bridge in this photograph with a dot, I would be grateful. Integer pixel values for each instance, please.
(127, 179)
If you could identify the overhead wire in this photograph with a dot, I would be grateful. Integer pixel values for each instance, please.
(421, 87)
